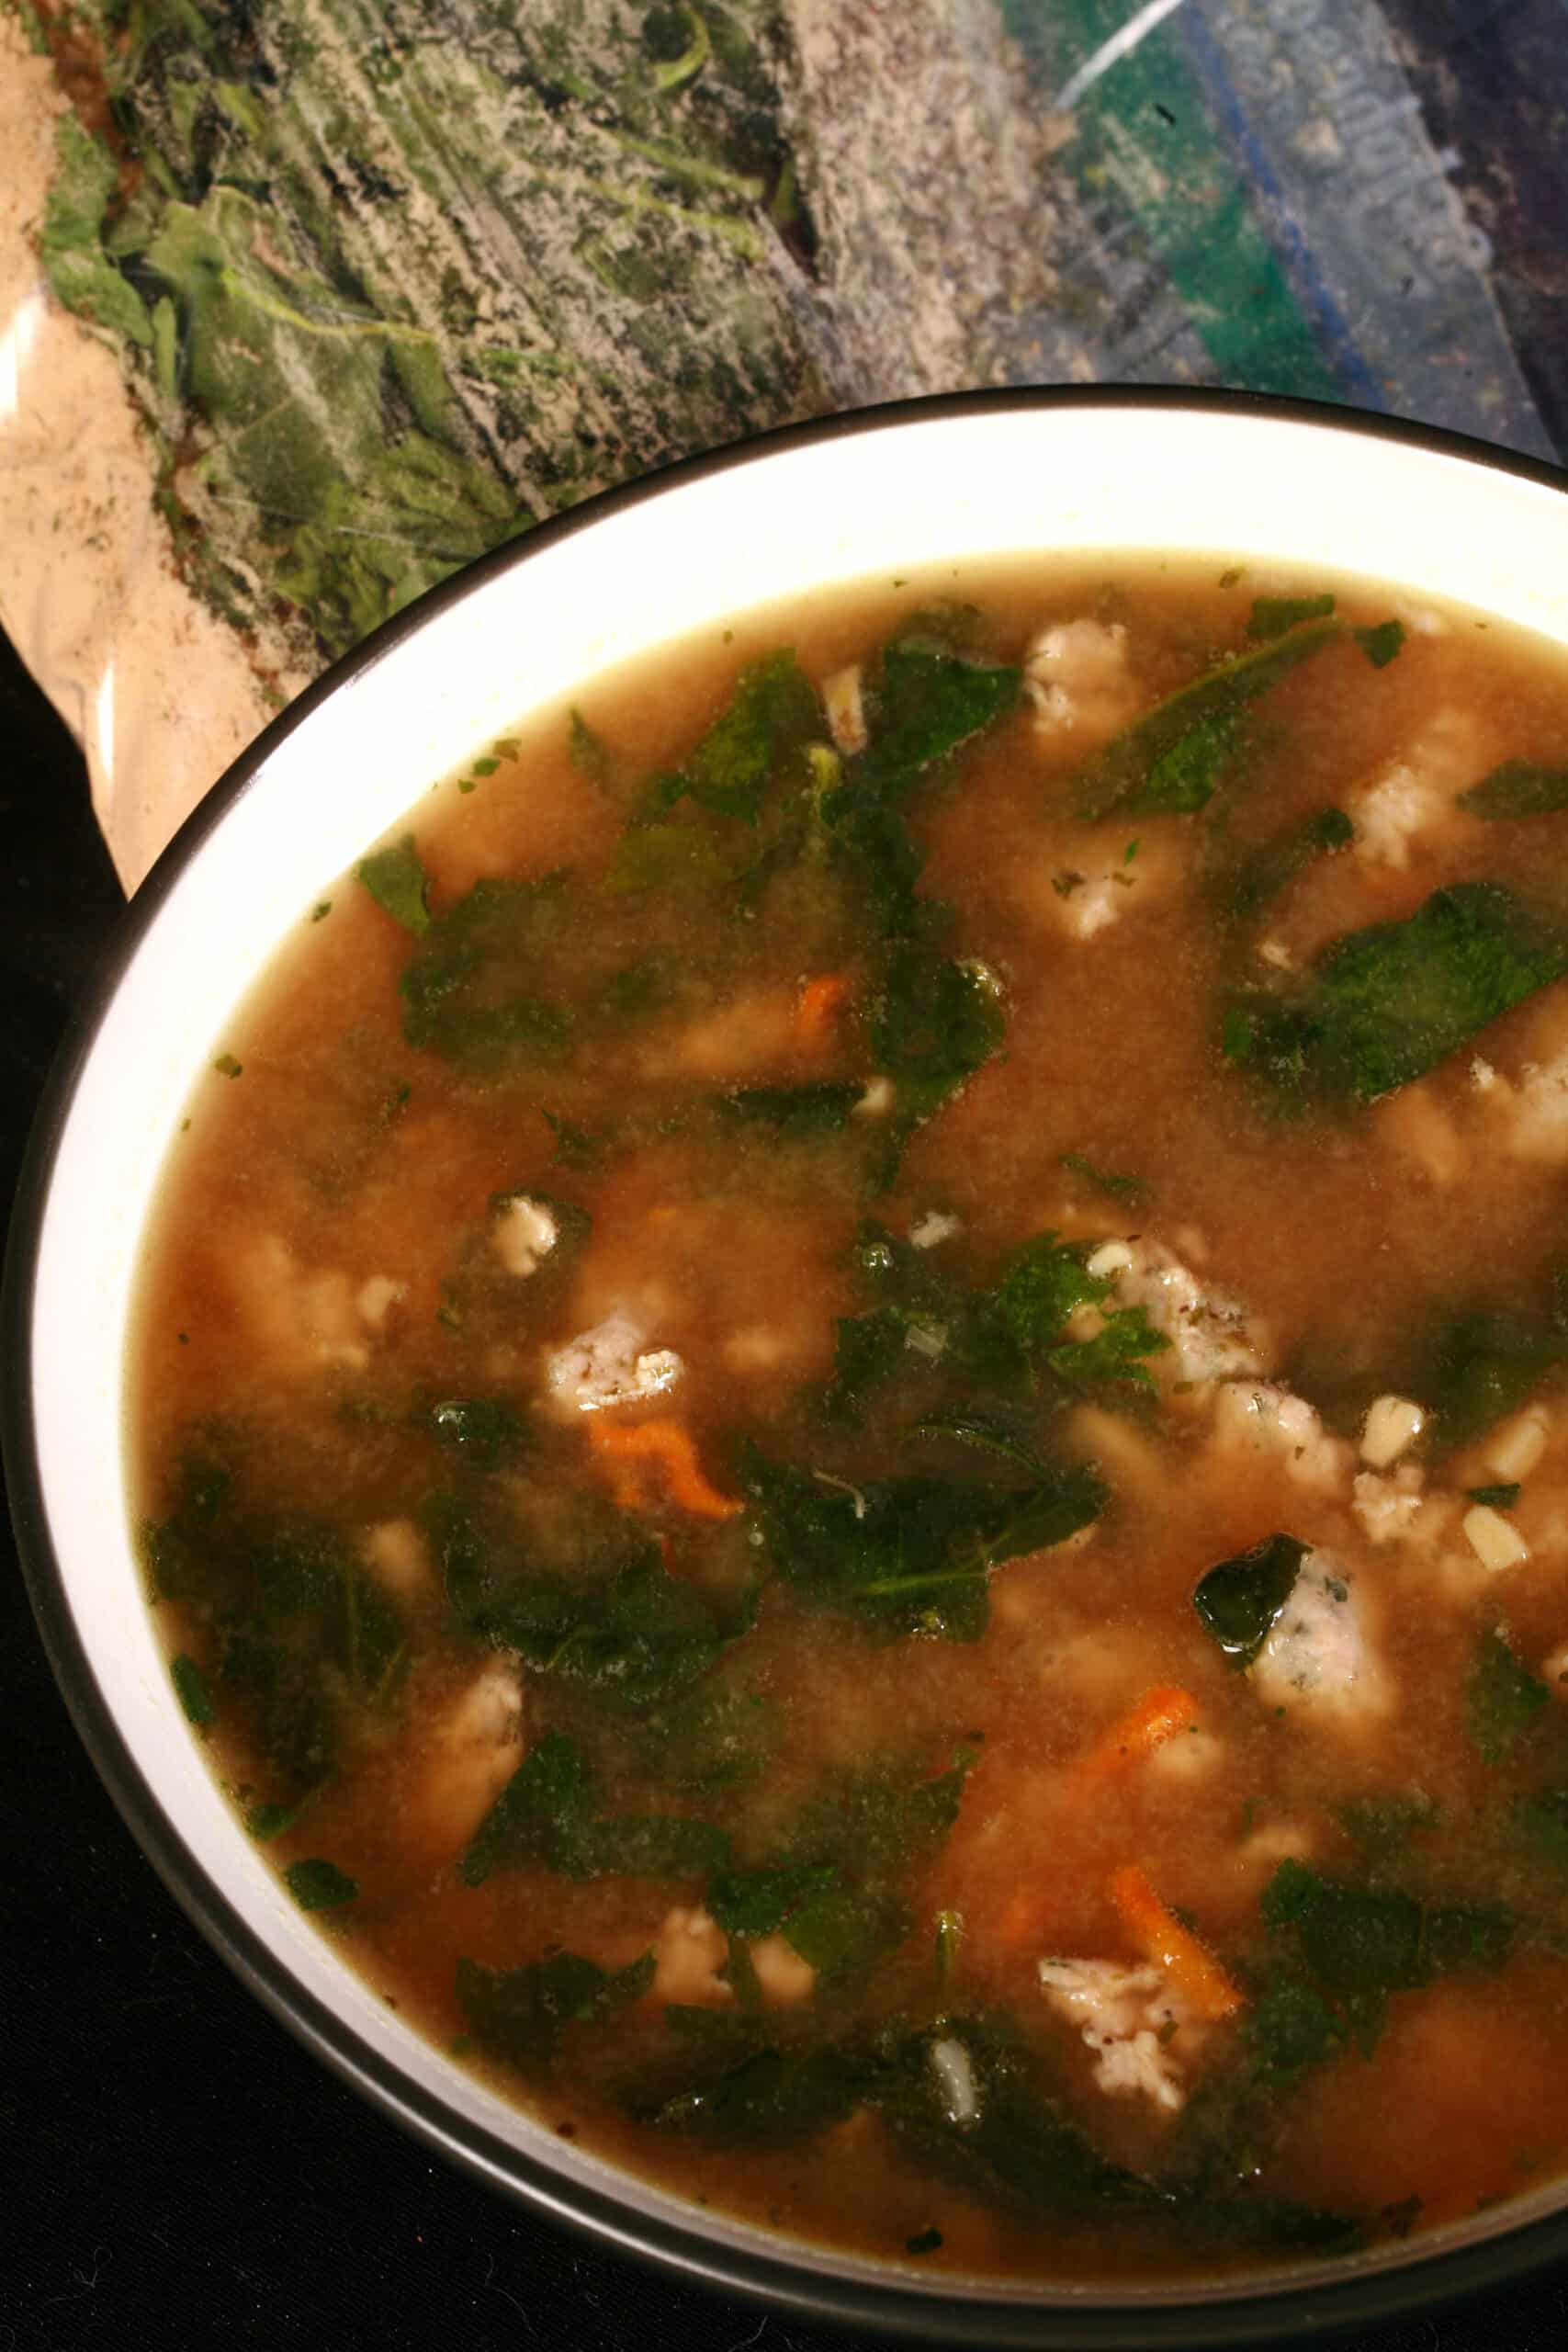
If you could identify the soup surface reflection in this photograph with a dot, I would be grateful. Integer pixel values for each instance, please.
(849, 1420)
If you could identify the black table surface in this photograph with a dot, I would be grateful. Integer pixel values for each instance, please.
(174, 2171)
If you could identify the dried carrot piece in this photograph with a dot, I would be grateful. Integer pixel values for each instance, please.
(819, 1001)
(1159, 1715)
(1162, 1939)
(645, 1457)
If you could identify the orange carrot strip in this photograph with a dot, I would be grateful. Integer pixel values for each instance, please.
(1159, 1715)
(1162, 1939)
(659, 1454)
(819, 1001)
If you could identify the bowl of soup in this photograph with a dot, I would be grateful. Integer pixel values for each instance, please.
(787, 1391)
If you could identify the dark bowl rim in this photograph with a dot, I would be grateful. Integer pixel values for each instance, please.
(1293, 2309)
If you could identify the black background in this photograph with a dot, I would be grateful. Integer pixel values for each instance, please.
(174, 2171)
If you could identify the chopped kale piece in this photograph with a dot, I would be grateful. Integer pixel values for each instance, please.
(1502, 1698)
(1501, 1498)
(1122, 769)
(1383, 1826)
(923, 2242)
(548, 1814)
(398, 882)
(1387, 1004)
(795, 1113)
(1239, 1602)
(471, 991)
(1272, 615)
(910, 1554)
(318, 1885)
(192, 1691)
(1518, 788)
(484, 1428)
(520, 2014)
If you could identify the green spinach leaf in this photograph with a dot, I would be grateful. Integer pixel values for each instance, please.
(1502, 1698)
(1387, 1004)
(318, 1885)
(192, 1689)
(397, 880)
(548, 1814)
(772, 714)
(1542, 1821)
(1122, 769)
(1482, 1364)
(1265, 873)
(1185, 777)
(1113, 1355)
(484, 1428)
(910, 1554)
(1518, 788)
(795, 1113)
(471, 989)
(927, 701)
(1382, 642)
(639, 1633)
(1239, 1601)
(1383, 1826)
(1362, 1944)
(1131, 1190)
(1272, 615)
(934, 1021)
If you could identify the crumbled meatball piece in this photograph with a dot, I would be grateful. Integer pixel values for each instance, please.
(1129, 2017)
(609, 1366)
(1320, 1656)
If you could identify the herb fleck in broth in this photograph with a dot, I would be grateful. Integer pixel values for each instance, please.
(827, 1443)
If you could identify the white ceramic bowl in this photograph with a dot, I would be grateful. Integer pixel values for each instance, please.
(893, 490)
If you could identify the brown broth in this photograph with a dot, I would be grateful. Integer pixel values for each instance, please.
(282, 1409)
